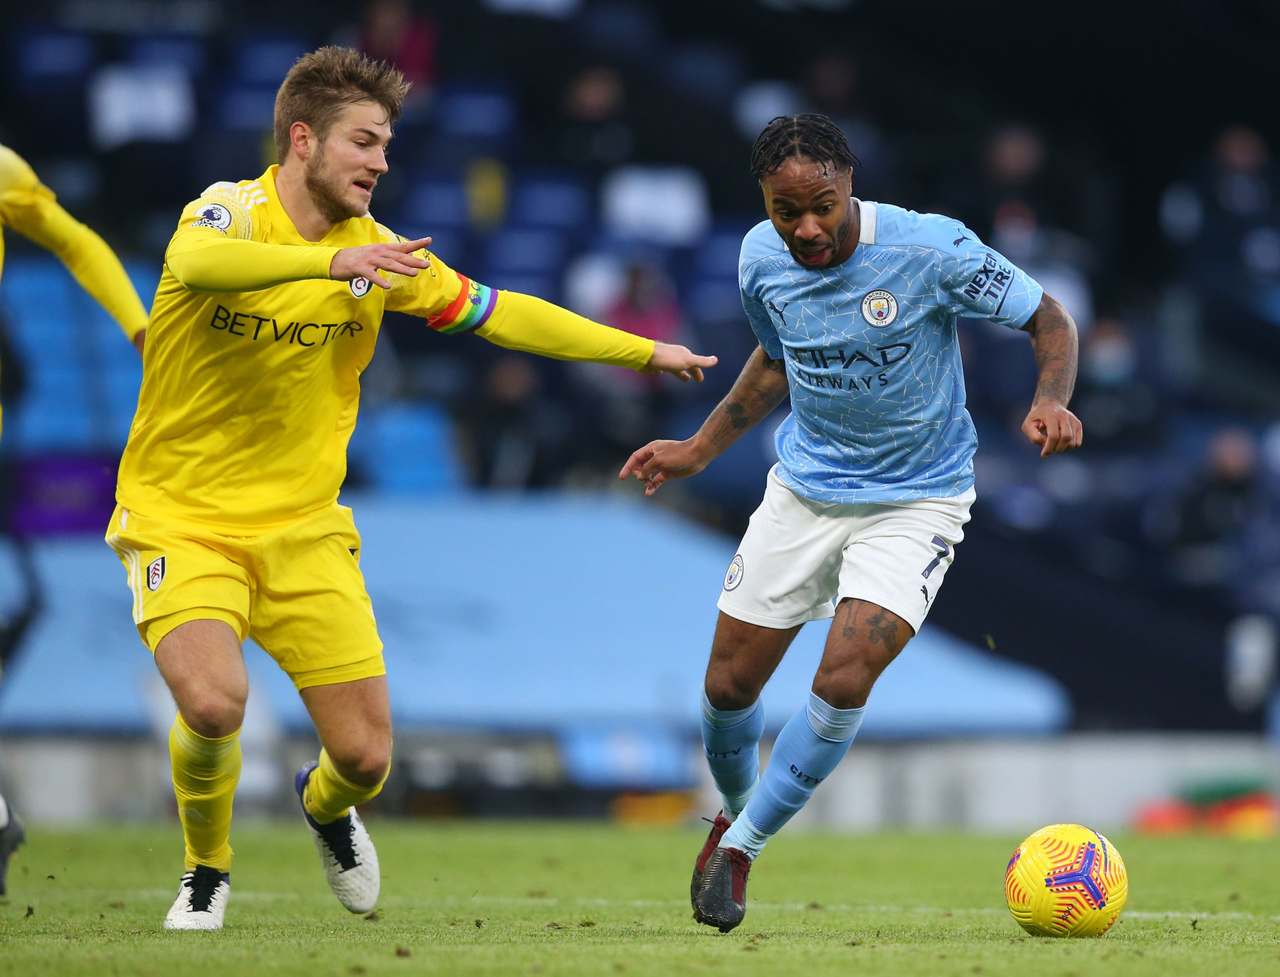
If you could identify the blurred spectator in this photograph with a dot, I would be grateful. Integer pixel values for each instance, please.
(514, 434)
(1225, 219)
(627, 408)
(594, 134)
(1115, 400)
(1199, 528)
(393, 31)
(832, 88)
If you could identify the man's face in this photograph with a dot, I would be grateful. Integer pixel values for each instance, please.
(345, 165)
(809, 204)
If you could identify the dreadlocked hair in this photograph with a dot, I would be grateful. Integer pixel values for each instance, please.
(809, 134)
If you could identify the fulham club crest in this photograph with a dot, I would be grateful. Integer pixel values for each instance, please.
(359, 286)
(155, 573)
(879, 307)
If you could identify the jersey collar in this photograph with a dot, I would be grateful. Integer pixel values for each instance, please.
(867, 217)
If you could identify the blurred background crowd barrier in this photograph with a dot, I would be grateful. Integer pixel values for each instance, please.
(1108, 642)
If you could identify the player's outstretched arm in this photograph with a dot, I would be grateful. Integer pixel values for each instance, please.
(1049, 424)
(89, 259)
(528, 323)
(760, 387)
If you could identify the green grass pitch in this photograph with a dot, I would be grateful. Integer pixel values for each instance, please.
(591, 899)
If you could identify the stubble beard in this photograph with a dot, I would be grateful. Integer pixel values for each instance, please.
(324, 194)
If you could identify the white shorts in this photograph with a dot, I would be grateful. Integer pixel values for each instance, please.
(799, 557)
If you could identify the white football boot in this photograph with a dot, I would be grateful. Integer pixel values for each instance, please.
(346, 852)
(202, 900)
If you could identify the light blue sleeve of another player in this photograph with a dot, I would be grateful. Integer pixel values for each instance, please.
(978, 282)
(748, 284)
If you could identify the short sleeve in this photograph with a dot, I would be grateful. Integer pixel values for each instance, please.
(979, 282)
(762, 326)
(752, 299)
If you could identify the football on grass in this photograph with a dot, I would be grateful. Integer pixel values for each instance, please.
(1066, 880)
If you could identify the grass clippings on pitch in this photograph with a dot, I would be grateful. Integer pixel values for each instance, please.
(565, 900)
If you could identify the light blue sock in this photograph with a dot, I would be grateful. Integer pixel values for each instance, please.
(809, 747)
(731, 740)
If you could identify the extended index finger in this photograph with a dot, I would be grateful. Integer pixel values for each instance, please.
(637, 459)
(407, 246)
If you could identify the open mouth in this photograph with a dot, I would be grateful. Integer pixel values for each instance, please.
(365, 185)
(816, 257)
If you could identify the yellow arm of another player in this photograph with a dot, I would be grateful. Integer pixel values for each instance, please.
(528, 323)
(209, 261)
(88, 258)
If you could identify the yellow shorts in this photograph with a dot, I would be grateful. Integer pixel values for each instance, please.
(296, 590)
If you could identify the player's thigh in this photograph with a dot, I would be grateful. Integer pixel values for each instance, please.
(353, 721)
(203, 666)
(863, 640)
(744, 657)
(311, 611)
(787, 567)
(178, 573)
(900, 554)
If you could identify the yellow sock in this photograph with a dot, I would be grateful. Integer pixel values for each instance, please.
(205, 774)
(329, 795)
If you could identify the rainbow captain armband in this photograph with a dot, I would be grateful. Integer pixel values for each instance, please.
(470, 310)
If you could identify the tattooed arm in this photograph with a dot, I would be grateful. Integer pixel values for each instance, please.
(1053, 339)
(760, 388)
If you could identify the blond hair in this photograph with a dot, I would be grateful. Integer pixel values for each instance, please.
(321, 83)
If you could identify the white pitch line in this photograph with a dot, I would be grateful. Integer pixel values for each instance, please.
(263, 895)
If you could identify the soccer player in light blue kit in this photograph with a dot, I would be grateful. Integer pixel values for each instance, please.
(854, 305)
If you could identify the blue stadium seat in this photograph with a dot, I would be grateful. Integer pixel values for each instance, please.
(186, 52)
(475, 112)
(551, 201)
(265, 59)
(41, 58)
(246, 107)
(407, 448)
(522, 250)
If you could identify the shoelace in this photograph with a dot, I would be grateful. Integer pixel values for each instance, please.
(339, 837)
(203, 883)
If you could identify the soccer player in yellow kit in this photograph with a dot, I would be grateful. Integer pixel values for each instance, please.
(30, 208)
(228, 522)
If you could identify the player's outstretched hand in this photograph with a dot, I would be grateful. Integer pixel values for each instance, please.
(1054, 428)
(678, 361)
(658, 461)
(369, 259)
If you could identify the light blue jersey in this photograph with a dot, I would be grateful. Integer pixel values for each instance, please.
(873, 362)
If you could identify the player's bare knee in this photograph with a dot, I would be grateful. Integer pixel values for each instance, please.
(365, 765)
(212, 713)
(847, 687)
(727, 689)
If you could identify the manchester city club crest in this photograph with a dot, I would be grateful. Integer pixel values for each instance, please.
(359, 286)
(879, 307)
(733, 576)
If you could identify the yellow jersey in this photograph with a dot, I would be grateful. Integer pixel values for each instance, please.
(30, 208)
(251, 371)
